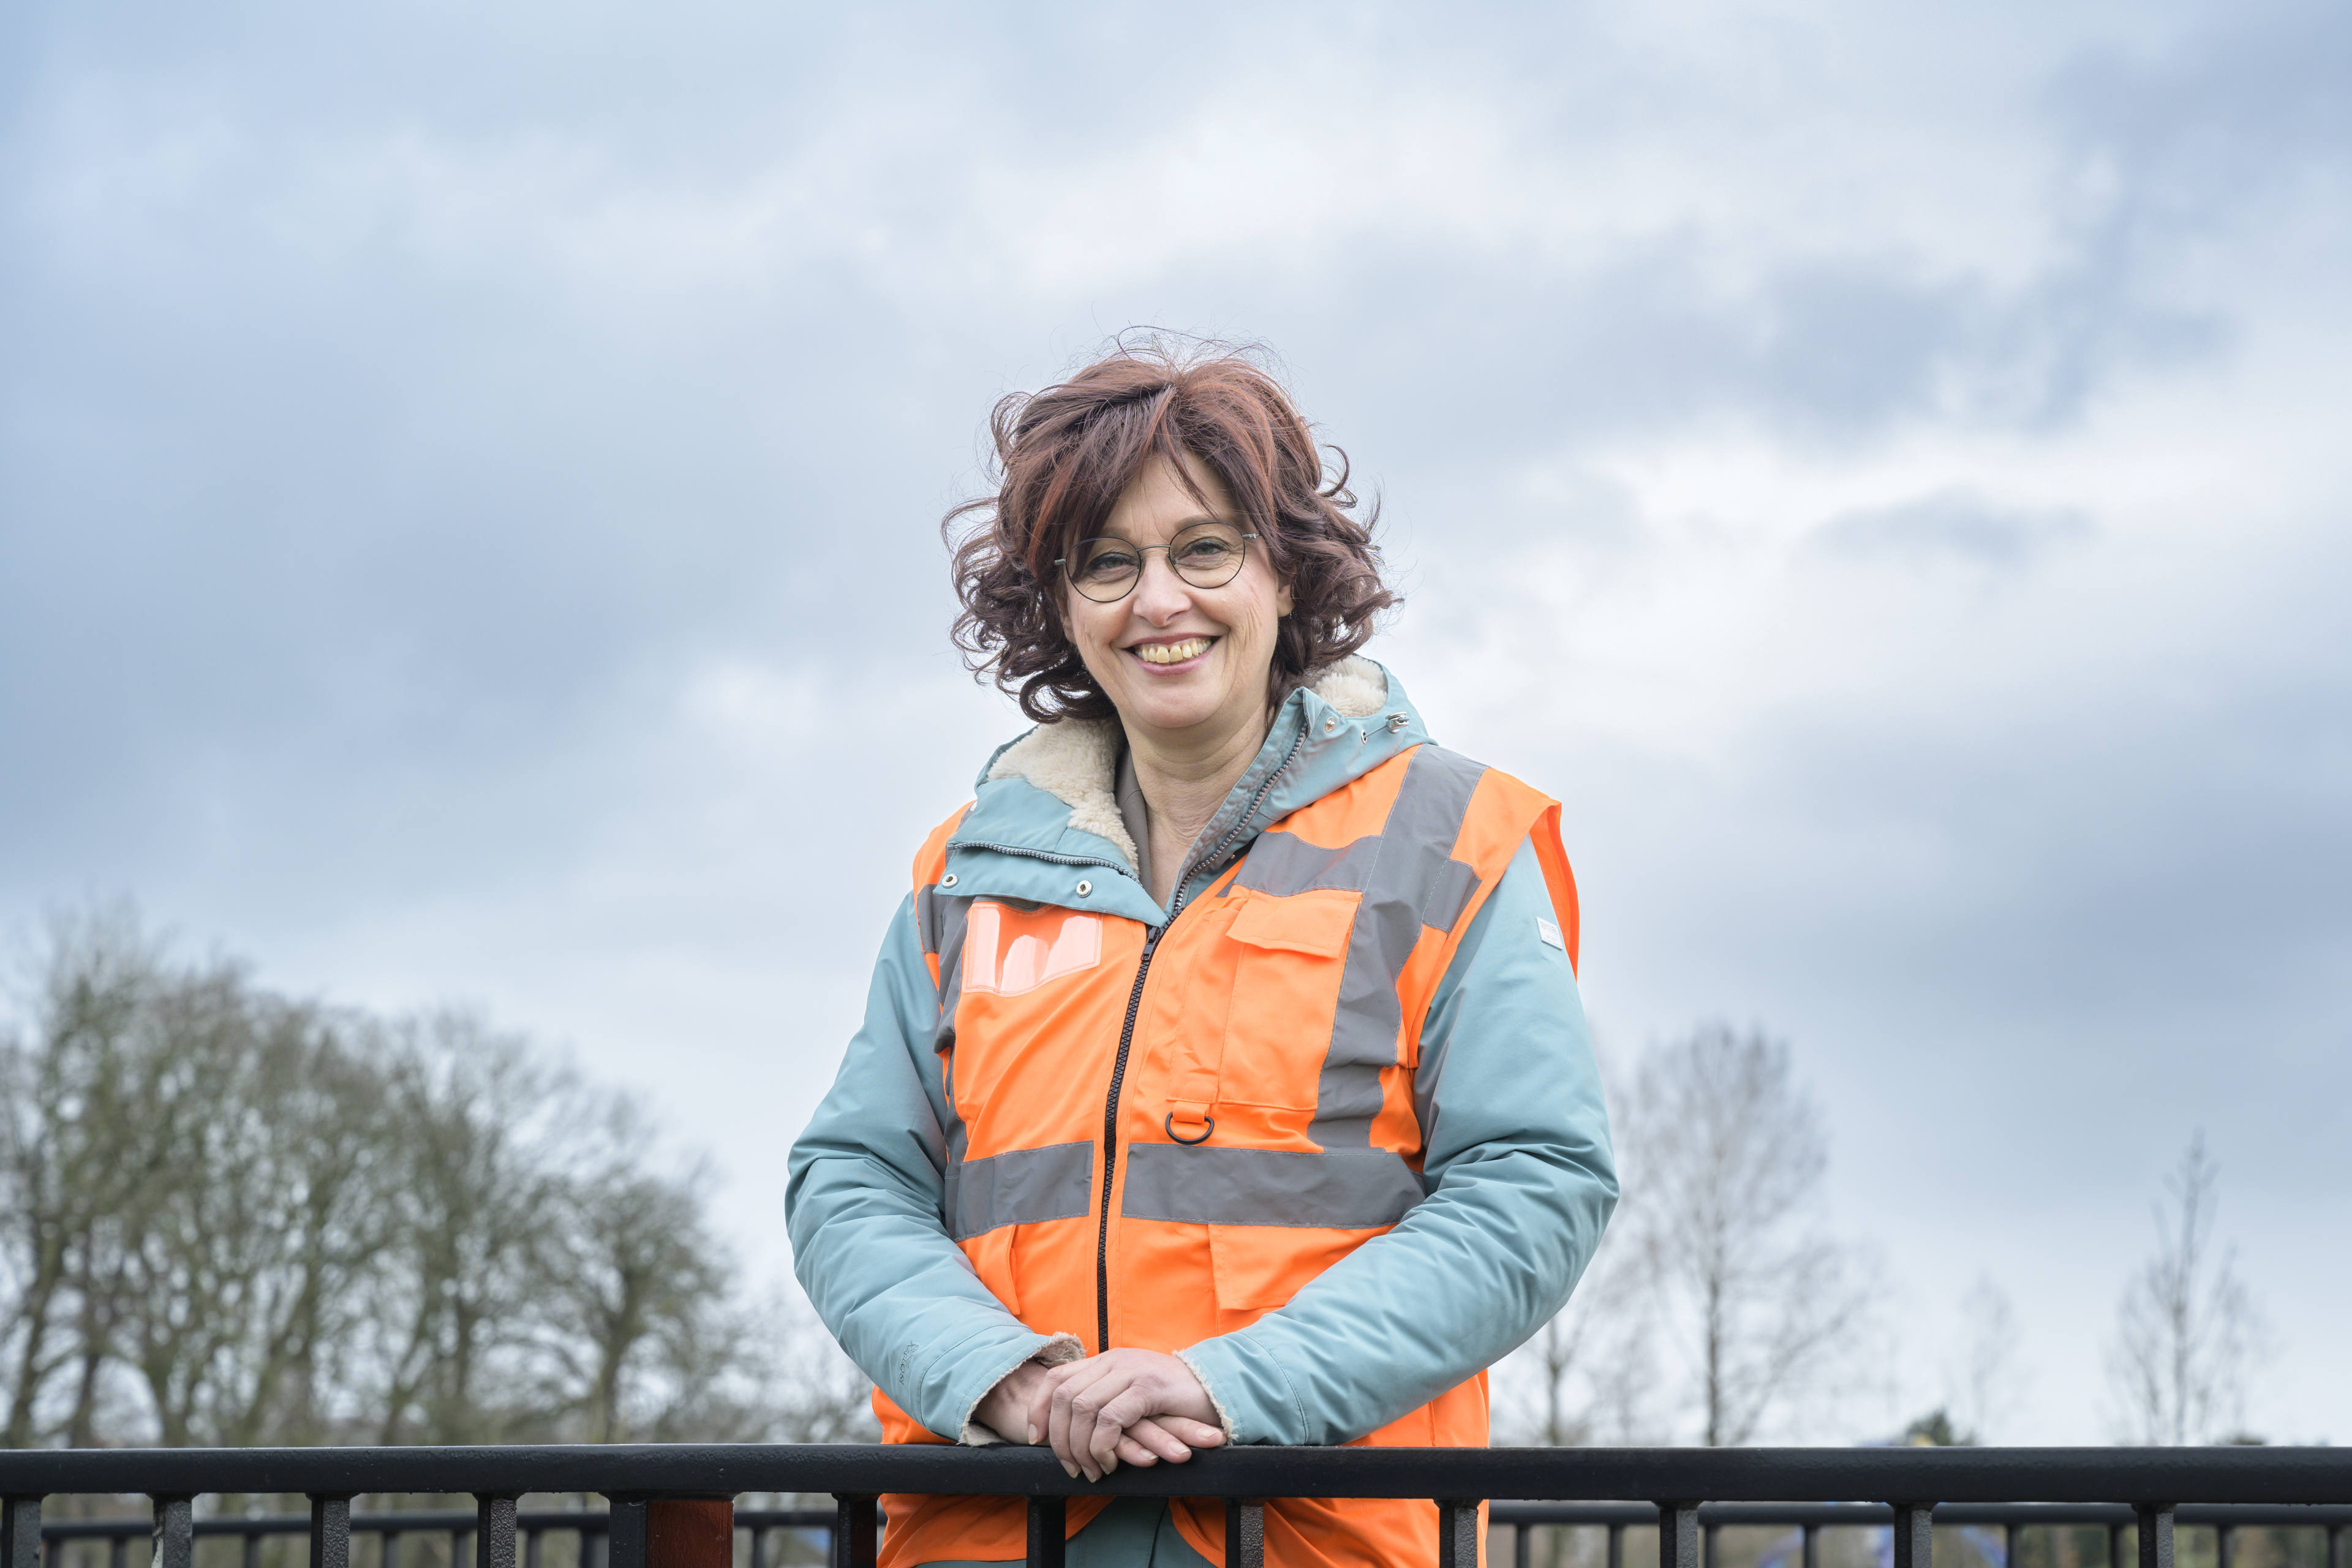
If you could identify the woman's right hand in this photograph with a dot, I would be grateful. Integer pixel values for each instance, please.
(1019, 1409)
(1005, 1409)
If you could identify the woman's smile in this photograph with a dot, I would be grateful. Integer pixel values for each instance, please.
(1180, 650)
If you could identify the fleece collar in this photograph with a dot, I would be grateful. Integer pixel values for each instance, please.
(1047, 819)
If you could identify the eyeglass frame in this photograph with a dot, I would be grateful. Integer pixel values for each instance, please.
(1062, 563)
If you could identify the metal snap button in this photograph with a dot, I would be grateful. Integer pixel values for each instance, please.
(1330, 726)
(1085, 888)
(1397, 721)
(948, 881)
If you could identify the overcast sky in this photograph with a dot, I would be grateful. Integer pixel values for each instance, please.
(470, 479)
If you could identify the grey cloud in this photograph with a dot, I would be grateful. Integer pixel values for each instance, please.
(1953, 522)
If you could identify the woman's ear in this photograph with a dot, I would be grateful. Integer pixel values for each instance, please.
(1282, 602)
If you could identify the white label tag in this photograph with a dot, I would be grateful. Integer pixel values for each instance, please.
(1550, 934)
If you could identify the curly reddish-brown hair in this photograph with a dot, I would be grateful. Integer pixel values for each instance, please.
(1065, 456)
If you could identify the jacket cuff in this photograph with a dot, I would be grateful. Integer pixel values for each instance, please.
(1254, 1397)
(1051, 1349)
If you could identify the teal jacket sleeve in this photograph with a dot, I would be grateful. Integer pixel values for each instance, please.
(1520, 1182)
(863, 1205)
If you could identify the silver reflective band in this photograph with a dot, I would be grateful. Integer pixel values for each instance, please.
(1020, 1186)
(1548, 934)
(1357, 1189)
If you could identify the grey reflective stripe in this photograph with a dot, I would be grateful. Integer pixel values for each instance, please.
(1413, 870)
(947, 921)
(1350, 1189)
(1448, 896)
(1284, 863)
(1020, 1186)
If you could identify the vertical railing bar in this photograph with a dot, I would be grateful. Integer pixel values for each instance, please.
(2335, 1546)
(2114, 1546)
(1519, 1545)
(2012, 1536)
(175, 1533)
(1678, 1535)
(2224, 1547)
(252, 1539)
(1048, 1532)
(331, 1533)
(1813, 1547)
(530, 1548)
(1458, 1532)
(1245, 1532)
(1706, 1543)
(854, 1531)
(117, 1550)
(494, 1530)
(20, 1533)
(595, 1544)
(625, 1533)
(387, 1546)
(2155, 1534)
(461, 1547)
(1915, 1535)
(1617, 1547)
(755, 1552)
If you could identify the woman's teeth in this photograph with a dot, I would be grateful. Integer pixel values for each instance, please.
(1172, 652)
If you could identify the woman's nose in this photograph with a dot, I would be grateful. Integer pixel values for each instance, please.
(1160, 594)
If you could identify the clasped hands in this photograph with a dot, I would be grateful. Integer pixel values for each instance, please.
(1137, 1405)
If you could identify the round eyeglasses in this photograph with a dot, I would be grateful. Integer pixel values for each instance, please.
(1206, 555)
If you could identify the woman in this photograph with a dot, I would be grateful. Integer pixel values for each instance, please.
(1223, 1078)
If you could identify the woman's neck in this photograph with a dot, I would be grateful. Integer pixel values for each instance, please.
(1183, 786)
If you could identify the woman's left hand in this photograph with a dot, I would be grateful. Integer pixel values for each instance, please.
(1142, 1405)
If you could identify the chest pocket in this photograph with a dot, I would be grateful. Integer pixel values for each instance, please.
(1290, 953)
(1009, 953)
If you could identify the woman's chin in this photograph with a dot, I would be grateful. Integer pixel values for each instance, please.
(1175, 707)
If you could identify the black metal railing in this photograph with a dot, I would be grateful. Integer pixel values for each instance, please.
(2144, 1494)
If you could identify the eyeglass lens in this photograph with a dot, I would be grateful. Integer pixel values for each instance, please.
(1206, 555)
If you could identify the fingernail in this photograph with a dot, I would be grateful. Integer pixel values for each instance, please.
(1070, 1469)
(1033, 1434)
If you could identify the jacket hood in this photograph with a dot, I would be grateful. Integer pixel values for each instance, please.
(1046, 819)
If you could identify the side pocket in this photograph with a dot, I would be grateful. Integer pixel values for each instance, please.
(1261, 1266)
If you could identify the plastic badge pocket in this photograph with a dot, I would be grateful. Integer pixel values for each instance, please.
(1285, 990)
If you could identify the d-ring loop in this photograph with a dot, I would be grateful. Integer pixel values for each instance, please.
(1179, 1138)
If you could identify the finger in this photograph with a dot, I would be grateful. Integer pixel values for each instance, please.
(1099, 1416)
(1077, 1404)
(1136, 1454)
(1056, 1400)
(1196, 1433)
(1152, 1435)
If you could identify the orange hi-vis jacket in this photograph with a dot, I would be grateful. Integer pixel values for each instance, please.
(1164, 1128)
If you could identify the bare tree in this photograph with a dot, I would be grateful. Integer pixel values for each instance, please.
(484, 1131)
(227, 1216)
(71, 1194)
(2187, 1331)
(639, 1307)
(1587, 1375)
(1727, 1154)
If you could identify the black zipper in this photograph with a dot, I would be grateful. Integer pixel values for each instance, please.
(1127, 1042)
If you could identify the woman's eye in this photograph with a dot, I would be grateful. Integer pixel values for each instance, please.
(1206, 552)
(1109, 564)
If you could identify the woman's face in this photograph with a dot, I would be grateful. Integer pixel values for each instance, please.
(1182, 664)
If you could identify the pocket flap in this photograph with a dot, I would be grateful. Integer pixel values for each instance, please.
(1317, 923)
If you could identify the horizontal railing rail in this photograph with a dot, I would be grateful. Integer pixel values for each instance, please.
(2150, 1492)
